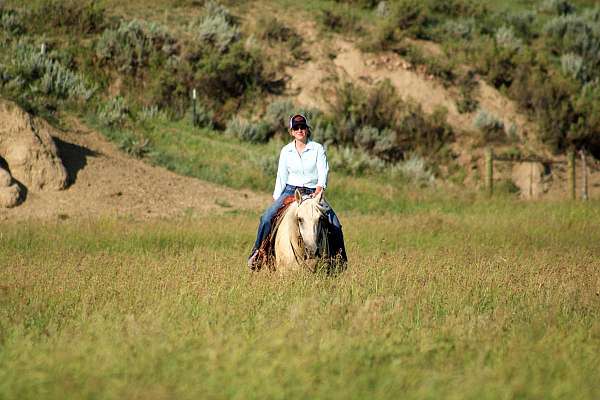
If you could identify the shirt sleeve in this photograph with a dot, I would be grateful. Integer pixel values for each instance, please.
(322, 167)
(282, 175)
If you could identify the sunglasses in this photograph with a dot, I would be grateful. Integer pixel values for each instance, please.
(298, 127)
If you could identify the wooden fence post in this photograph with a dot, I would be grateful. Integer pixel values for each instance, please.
(584, 189)
(489, 170)
(571, 174)
(194, 107)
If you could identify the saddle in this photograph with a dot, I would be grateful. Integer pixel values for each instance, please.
(331, 243)
(266, 250)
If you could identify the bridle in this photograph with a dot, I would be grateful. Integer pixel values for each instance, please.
(300, 243)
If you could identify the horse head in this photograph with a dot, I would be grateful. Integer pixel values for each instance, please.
(309, 212)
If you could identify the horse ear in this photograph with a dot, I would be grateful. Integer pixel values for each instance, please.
(320, 196)
(298, 196)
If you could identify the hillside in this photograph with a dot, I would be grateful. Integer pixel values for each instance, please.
(105, 182)
(387, 89)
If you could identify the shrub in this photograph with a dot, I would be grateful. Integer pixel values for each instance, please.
(152, 113)
(220, 77)
(547, 96)
(82, 16)
(113, 113)
(489, 125)
(340, 20)
(134, 146)
(273, 30)
(466, 103)
(381, 123)
(216, 31)
(579, 35)
(439, 67)
(325, 132)
(457, 8)
(376, 107)
(248, 131)
(572, 65)
(414, 169)
(505, 37)
(522, 22)
(585, 131)
(213, 8)
(421, 133)
(277, 115)
(203, 117)
(267, 163)
(131, 46)
(354, 161)
(383, 9)
(377, 142)
(31, 72)
(459, 29)
(495, 62)
(560, 7)
(11, 22)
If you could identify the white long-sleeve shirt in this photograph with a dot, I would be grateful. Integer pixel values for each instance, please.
(308, 169)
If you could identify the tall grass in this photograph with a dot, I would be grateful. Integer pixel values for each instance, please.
(494, 301)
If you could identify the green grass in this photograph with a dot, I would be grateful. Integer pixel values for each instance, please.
(496, 300)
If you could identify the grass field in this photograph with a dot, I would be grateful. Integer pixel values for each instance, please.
(495, 300)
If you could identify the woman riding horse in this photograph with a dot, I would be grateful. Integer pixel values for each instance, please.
(303, 167)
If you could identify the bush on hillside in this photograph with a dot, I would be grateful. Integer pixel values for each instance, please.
(547, 96)
(220, 77)
(214, 8)
(457, 8)
(113, 113)
(414, 169)
(490, 126)
(11, 22)
(133, 45)
(577, 34)
(152, 113)
(378, 121)
(523, 24)
(572, 65)
(421, 133)
(216, 31)
(354, 161)
(506, 38)
(273, 30)
(466, 102)
(585, 132)
(360, 3)
(247, 131)
(560, 7)
(29, 73)
(278, 114)
(81, 16)
(203, 117)
(340, 20)
(458, 29)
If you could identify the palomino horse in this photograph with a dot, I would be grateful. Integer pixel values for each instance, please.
(299, 237)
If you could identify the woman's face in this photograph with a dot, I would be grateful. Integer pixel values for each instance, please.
(300, 132)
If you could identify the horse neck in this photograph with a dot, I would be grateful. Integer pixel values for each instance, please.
(290, 226)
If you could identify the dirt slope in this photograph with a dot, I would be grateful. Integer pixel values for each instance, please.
(105, 182)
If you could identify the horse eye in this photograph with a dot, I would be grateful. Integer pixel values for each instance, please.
(300, 220)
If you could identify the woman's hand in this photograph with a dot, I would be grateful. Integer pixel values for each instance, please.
(318, 190)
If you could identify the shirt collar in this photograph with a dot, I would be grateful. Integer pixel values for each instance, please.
(309, 145)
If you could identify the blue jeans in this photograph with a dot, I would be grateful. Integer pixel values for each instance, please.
(264, 227)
